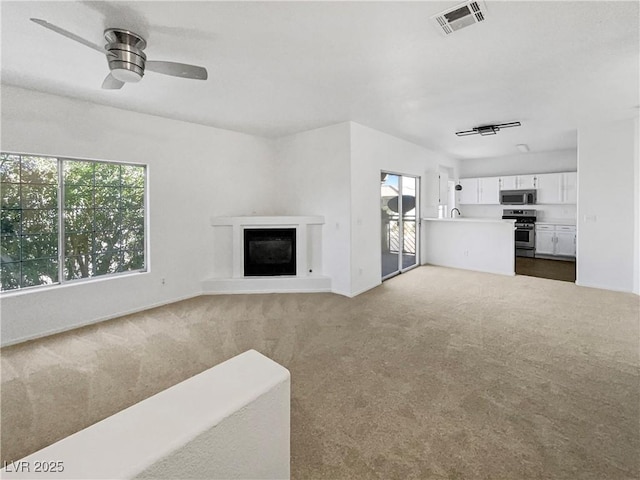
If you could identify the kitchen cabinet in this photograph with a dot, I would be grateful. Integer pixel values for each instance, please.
(565, 241)
(555, 240)
(483, 191)
(469, 193)
(526, 182)
(552, 188)
(557, 188)
(570, 187)
(549, 188)
(489, 191)
(545, 240)
(518, 182)
(509, 182)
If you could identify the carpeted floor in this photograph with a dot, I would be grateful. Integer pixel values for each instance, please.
(437, 374)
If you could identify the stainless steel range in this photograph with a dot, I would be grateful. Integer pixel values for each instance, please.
(525, 230)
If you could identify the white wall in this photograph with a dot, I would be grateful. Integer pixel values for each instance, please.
(313, 178)
(335, 171)
(636, 202)
(521, 164)
(371, 152)
(195, 172)
(607, 205)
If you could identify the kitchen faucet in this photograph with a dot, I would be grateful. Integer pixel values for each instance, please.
(455, 210)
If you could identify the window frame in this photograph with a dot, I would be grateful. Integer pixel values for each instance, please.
(61, 281)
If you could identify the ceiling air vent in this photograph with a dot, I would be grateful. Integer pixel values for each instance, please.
(460, 16)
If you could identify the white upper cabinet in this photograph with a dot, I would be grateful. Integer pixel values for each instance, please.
(526, 182)
(570, 187)
(469, 193)
(552, 188)
(489, 190)
(557, 188)
(518, 182)
(509, 183)
(485, 191)
(549, 188)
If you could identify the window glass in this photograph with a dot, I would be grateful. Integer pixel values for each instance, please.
(93, 219)
(29, 221)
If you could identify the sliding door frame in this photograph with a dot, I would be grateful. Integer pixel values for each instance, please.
(402, 269)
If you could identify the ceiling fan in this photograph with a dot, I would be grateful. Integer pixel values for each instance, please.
(127, 61)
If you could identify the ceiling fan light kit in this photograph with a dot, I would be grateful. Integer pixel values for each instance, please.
(486, 130)
(125, 56)
(127, 61)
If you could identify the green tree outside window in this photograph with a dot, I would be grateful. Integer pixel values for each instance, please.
(93, 219)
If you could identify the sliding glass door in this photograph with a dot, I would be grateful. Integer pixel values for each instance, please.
(399, 235)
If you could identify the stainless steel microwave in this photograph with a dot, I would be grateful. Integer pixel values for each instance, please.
(518, 197)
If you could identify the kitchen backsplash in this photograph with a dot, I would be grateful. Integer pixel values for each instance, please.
(544, 212)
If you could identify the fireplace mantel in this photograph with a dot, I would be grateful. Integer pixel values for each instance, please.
(229, 260)
(266, 221)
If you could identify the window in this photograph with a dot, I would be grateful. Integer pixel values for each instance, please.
(69, 219)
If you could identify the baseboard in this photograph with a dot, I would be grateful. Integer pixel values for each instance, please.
(604, 287)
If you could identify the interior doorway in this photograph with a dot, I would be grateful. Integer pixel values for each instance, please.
(399, 205)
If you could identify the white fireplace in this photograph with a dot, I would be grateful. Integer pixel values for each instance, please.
(229, 255)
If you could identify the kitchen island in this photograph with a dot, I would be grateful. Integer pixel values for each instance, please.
(481, 244)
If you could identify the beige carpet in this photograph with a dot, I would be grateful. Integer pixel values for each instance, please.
(436, 374)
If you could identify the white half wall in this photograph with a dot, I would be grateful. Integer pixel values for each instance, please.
(521, 164)
(607, 206)
(231, 421)
(371, 152)
(194, 172)
(312, 177)
(470, 244)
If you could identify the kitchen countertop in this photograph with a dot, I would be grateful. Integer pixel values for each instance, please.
(468, 219)
(557, 221)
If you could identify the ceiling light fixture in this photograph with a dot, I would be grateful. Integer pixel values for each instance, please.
(487, 129)
(523, 147)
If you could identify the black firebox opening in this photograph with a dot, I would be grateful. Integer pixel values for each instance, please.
(269, 251)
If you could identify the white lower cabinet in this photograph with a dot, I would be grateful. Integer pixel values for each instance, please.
(545, 243)
(565, 240)
(556, 240)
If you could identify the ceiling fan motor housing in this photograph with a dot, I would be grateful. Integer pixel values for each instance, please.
(125, 56)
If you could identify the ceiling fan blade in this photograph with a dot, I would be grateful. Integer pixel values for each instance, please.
(67, 34)
(177, 69)
(112, 83)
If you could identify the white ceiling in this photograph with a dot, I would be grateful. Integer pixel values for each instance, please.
(277, 68)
